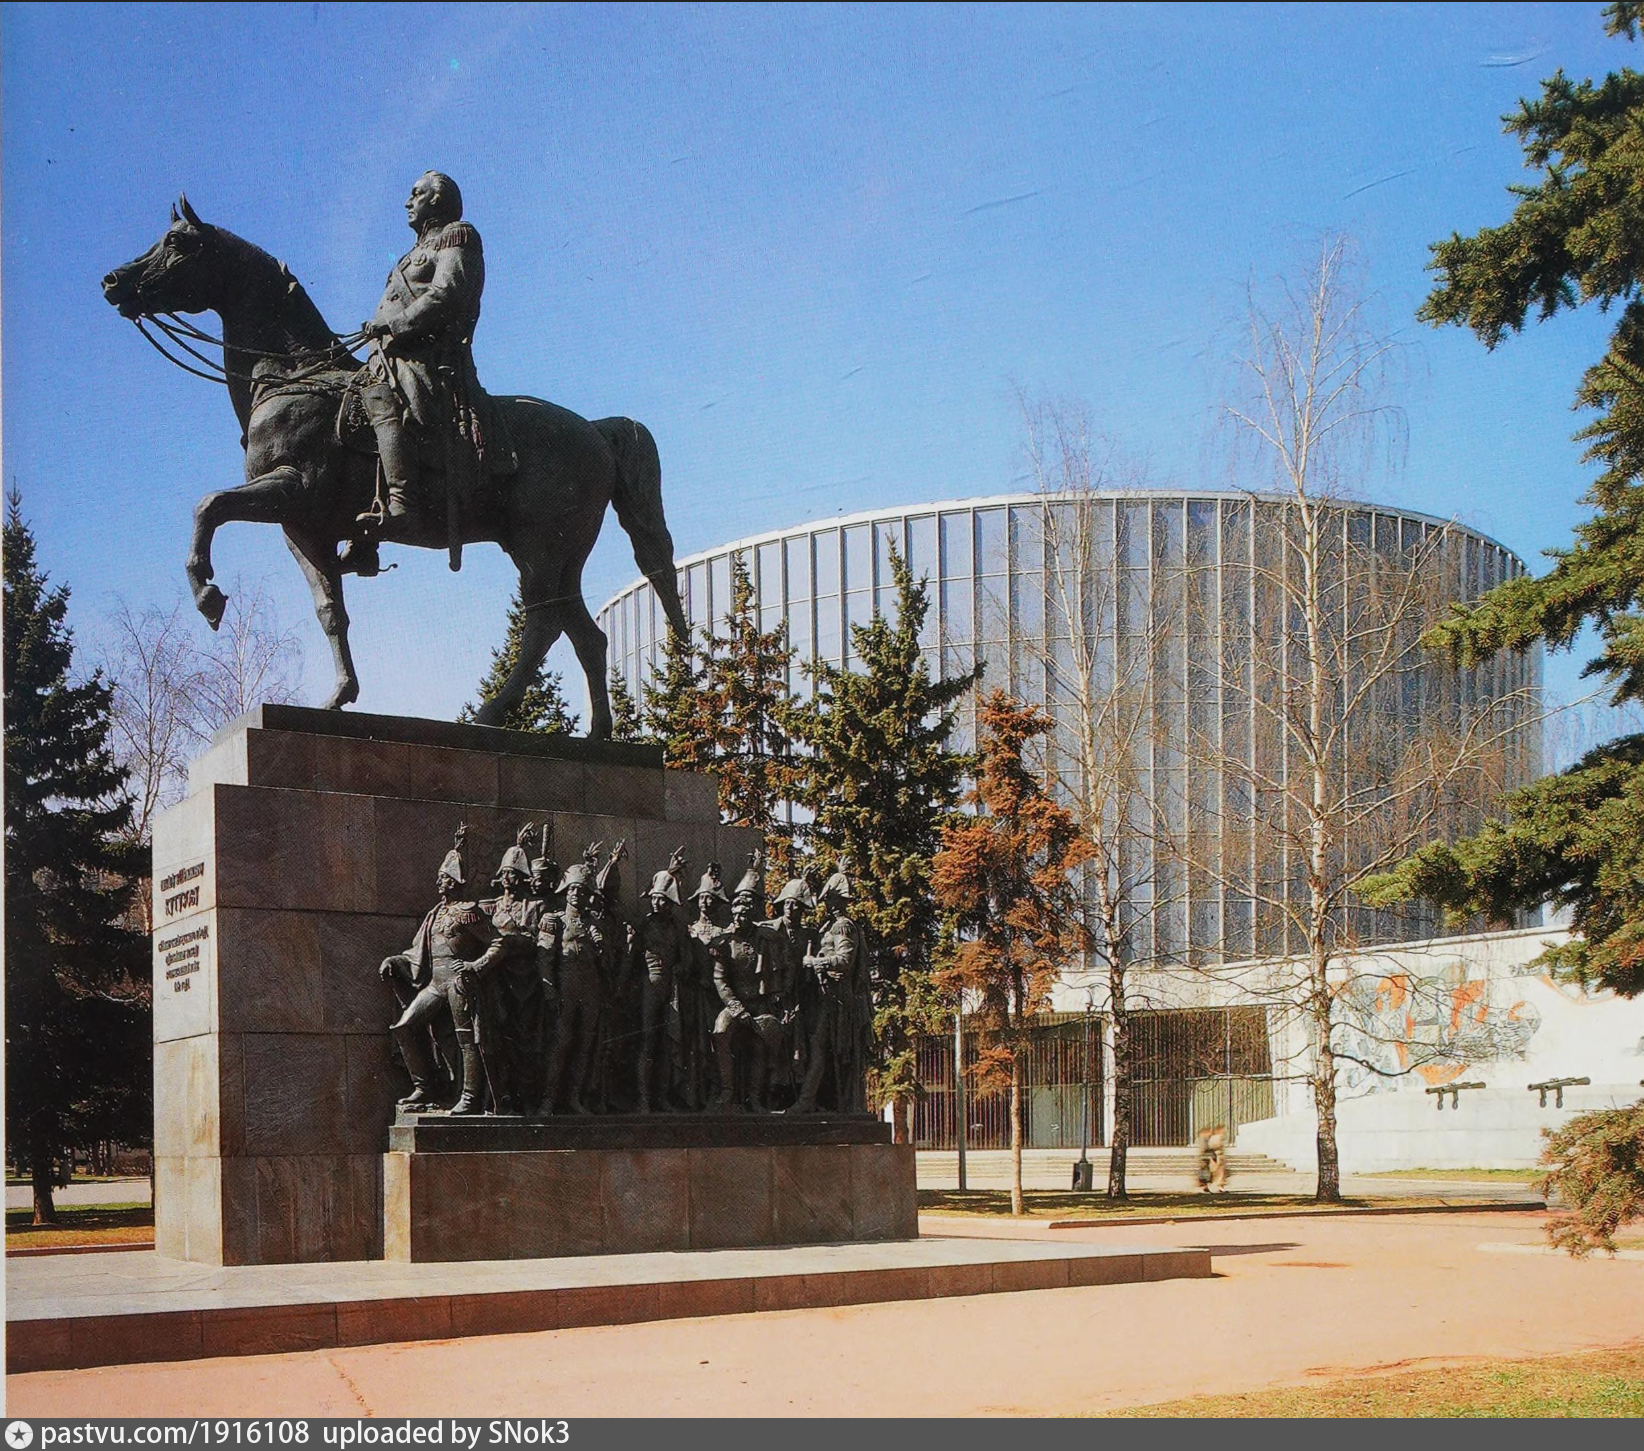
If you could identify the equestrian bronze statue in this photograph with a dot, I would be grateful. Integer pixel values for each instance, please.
(461, 467)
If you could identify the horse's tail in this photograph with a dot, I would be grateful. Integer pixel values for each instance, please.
(637, 499)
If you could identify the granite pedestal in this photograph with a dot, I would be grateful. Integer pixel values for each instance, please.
(493, 1189)
(303, 854)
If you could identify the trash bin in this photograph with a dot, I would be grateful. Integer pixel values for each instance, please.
(1084, 1175)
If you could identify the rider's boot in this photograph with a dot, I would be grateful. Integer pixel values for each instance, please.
(398, 454)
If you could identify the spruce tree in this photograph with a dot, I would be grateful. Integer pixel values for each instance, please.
(626, 724)
(676, 710)
(543, 708)
(77, 1034)
(745, 684)
(1575, 839)
(882, 780)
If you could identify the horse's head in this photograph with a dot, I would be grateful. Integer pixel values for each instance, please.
(182, 272)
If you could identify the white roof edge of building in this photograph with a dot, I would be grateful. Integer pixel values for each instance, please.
(982, 501)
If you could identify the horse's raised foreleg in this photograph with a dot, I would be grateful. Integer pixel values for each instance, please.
(544, 623)
(318, 558)
(264, 500)
(588, 640)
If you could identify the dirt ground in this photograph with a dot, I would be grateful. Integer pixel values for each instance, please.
(1294, 1300)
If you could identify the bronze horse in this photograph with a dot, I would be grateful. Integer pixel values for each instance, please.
(286, 370)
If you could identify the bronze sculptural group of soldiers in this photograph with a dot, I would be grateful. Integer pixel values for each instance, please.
(542, 1000)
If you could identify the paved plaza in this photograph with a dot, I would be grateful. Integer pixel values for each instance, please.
(1292, 1300)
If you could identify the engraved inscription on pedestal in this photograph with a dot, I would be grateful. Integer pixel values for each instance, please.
(183, 954)
(184, 941)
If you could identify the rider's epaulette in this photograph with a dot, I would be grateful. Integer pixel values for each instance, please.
(458, 234)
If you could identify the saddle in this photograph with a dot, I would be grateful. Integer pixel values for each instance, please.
(354, 432)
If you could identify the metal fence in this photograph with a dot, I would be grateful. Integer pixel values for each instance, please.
(1198, 1068)
(1062, 1078)
(1193, 1069)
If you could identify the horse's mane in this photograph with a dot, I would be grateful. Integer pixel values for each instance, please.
(265, 276)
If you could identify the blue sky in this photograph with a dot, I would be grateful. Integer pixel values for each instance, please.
(815, 250)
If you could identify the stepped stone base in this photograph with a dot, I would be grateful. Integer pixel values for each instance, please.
(552, 1203)
(70, 1311)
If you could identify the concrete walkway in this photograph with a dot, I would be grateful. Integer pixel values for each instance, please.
(1292, 1301)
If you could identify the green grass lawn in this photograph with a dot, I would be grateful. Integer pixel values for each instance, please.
(1058, 1204)
(1607, 1383)
(82, 1224)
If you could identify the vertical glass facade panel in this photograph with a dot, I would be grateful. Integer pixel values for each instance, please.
(1027, 605)
(797, 555)
(858, 558)
(1167, 535)
(827, 562)
(799, 633)
(858, 613)
(769, 579)
(828, 637)
(1235, 533)
(1135, 535)
(958, 626)
(769, 587)
(992, 548)
(1201, 532)
(1027, 538)
(719, 591)
(958, 546)
(923, 559)
(697, 597)
(885, 538)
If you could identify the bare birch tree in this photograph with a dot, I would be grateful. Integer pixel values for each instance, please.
(1103, 650)
(172, 691)
(1339, 744)
(150, 662)
(252, 659)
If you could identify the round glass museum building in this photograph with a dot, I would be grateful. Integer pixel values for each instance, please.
(1206, 590)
